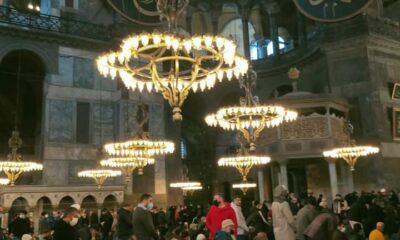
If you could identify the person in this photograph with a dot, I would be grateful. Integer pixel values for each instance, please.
(261, 236)
(143, 227)
(124, 226)
(377, 234)
(54, 218)
(44, 226)
(258, 221)
(93, 219)
(201, 236)
(241, 222)
(26, 237)
(20, 225)
(162, 222)
(339, 234)
(322, 227)
(64, 229)
(227, 231)
(304, 217)
(282, 217)
(219, 212)
(106, 221)
(340, 205)
(94, 233)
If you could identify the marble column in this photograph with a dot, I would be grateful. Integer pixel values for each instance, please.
(283, 179)
(4, 219)
(245, 10)
(333, 177)
(273, 9)
(128, 185)
(350, 181)
(261, 188)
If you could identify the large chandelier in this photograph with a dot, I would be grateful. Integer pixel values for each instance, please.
(243, 163)
(173, 64)
(244, 186)
(14, 166)
(250, 118)
(351, 152)
(99, 175)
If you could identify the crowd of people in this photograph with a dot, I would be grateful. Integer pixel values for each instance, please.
(369, 215)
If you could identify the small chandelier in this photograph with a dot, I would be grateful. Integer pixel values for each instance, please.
(99, 175)
(351, 152)
(187, 187)
(244, 186)
(14, 166)
(193, 63)
(128, 164)
(243, 163)
(250, 118)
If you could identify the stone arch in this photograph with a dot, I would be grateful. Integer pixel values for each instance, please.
(233, 29)
(45, 204)
(65, 202)
(22, 80)
(50, 62)
(89, 202)
(110, 202)
(18, 204)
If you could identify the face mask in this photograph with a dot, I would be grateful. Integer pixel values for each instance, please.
(22, 216)
(215, 203)
(74, 221)
(342, 229)
(150, 206)
(46, 216)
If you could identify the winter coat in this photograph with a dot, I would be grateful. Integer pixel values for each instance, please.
(215, 217)
(304, 218)
(143, 226)
(283, 221)
(256, 221)
(322, 227)
(124, 226)
(241, 222)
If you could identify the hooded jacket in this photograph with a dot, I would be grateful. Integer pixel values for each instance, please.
(215, 217)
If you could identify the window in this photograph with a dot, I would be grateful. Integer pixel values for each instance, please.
(183, 150)
(270, 46)
(69, 3)
(83, 122)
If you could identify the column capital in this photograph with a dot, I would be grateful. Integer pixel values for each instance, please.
(272, 7)
(283, 161)
(331, 160)
(245, 7)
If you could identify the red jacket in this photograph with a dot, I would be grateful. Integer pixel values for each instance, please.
(215, 217)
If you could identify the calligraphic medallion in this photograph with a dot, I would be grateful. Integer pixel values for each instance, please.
(142, 12)
(331, 10)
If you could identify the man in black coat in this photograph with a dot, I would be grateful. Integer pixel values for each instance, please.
(106, 220)
(64, 228)
(124, 227)
(21, 225)
(143, 226)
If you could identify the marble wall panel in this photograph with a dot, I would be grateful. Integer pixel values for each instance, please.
(65, 71)
(83, 72)
(157, 121)
(103, 122)
(55, 172)
(128, 125)
(61, 125)
(76, 166)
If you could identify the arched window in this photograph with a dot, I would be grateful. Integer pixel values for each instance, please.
(234, 30)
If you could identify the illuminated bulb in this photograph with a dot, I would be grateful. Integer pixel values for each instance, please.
(175, 44)
(187, 45)
(149, 86)
(195, 86)
(208, 41)
(196, 42)
(156, 38)
(30, 6)
(145, 39)
(140, 86)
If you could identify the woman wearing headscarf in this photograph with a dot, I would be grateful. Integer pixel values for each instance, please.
(282, 217)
